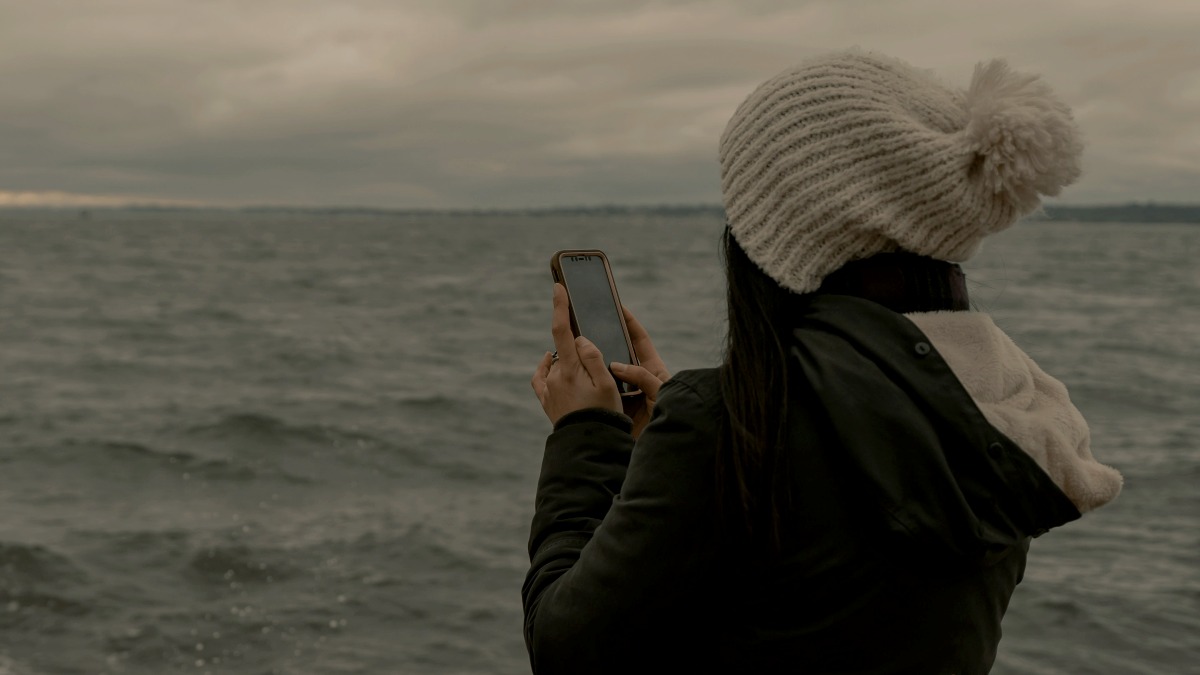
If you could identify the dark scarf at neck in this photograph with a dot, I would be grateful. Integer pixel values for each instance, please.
(903, 282)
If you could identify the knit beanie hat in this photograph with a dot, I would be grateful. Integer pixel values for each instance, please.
(853, 154)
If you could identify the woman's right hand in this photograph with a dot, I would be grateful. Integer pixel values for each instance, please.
(649, 376)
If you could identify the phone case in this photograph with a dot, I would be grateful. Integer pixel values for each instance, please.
(557, 273)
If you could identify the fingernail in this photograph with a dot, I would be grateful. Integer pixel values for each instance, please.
(617, 366)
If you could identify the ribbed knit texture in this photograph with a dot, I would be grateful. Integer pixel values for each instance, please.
(854, 154)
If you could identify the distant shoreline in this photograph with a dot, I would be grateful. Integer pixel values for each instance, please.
(1118, 213)
(1123, 213)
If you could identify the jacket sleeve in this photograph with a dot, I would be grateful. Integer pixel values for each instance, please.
(618, 554)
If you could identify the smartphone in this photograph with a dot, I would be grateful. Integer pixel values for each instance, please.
(595, 306)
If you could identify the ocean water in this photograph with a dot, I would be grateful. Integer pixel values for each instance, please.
(306, 443)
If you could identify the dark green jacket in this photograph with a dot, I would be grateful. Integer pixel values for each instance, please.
(909, 532)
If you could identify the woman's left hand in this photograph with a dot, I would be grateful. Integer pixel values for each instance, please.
(648, 377)
(579, 378)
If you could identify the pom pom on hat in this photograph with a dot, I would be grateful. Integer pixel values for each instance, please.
(855, 153)
(1025, 138)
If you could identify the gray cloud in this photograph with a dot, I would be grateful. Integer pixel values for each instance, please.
(494, 103)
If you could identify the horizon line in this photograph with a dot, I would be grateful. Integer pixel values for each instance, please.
(619, 207)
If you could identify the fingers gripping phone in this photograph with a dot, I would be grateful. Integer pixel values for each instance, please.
(595, 306)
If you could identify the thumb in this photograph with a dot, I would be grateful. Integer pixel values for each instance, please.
(644, 379)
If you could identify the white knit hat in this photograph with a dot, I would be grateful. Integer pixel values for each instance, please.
(853, 154)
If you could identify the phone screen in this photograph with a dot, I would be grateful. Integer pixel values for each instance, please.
(596, 312)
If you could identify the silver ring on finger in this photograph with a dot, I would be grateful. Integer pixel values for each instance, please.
(554, 356)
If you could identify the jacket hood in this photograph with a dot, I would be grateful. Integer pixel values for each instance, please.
(924, 451)
(1023, 402)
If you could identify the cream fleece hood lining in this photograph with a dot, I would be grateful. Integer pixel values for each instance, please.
(1022, 402)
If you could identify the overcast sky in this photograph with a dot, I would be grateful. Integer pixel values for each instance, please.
(497, 103)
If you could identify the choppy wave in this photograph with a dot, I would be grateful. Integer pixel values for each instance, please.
(37, 585)
(30, 564)
(132, 455)
(258, 427)
(241, 564)
(264, 434)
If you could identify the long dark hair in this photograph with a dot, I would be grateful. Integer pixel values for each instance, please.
(752, 459)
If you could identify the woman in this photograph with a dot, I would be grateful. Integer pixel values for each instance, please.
(855, 488)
